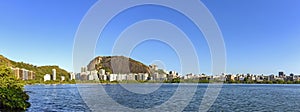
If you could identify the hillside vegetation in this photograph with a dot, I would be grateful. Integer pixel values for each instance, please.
(40, 71)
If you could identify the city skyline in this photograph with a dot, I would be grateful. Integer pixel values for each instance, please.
(260, 36)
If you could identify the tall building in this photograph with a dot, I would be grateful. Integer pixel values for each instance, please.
(90, 77)
(62, 78)
(83, 69)
(72, 76)
(17, 72)
(102, 72)
(25, 74)
(77, 76)
(84, 76)
(94, 73)
(281, 74)
(30, 75)
(113, 77)
(292, 75)
(54, 74)
(47, 77)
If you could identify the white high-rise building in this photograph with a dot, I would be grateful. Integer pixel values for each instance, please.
(62, 78)
(90, 77)
(47, 77)
(25, 74)
(113, 77)
(104, 77)
(54, 74)
(72, 76)
(94, 73)
(102, 72)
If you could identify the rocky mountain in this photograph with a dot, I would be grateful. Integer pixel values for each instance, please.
(118, 64)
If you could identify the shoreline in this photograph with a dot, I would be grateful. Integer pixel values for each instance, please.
(160, 83)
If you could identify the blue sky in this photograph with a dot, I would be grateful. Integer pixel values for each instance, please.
(261, 36)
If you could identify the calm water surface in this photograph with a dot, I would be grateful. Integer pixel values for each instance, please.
(233, 97)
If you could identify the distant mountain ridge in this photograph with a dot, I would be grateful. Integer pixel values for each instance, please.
(40, 71)
(118, 64)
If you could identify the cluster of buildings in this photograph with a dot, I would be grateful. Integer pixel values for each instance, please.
(196, 77)
(86, 75)
(244, 77)
(260, 78)
(23, 74)
(52, 76)
(154, 75)
(107, 76)
(167, 76)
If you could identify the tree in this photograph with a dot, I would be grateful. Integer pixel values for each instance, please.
(11, 91)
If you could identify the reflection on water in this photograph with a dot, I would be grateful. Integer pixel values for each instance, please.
(231, 98)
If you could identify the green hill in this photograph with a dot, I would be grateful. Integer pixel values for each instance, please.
(4, 61)
(119, 63)
(40, 71)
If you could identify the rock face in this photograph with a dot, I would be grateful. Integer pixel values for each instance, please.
(117, 64)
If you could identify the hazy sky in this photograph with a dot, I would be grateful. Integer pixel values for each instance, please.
(261, 36)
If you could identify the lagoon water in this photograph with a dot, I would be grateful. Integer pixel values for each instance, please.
(232, 97)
